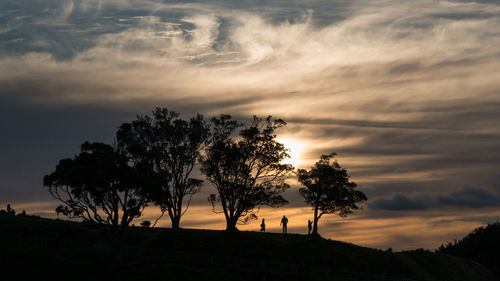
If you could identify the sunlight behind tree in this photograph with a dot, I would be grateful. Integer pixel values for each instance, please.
(296, 151)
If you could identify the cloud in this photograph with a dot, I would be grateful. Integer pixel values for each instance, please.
(399, 202)
(405, 92)
(470, 197)
(387, 78)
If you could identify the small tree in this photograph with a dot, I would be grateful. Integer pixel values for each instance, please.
(168, 147)
(328, 189)
(98, 186)
(246, 171)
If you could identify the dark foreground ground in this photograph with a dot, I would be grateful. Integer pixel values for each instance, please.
(45, 249)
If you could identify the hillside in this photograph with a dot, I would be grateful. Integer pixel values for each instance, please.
(33, 247)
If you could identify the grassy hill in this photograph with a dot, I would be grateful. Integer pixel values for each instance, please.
(33, 247)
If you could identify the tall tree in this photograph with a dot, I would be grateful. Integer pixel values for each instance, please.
(169, 147)
(328, 189)
(246, 170)
(98, 185)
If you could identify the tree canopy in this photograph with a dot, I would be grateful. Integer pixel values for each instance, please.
(98, 185)
(328, 189)
(168, 147)
(246, 170)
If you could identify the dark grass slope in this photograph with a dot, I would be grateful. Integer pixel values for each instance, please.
(34, 247)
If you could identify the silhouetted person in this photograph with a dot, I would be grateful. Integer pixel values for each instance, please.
(10, 211)
(23, 213)
(309, 226)
(284, 222)
(263, 226)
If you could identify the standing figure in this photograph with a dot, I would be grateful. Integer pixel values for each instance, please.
(309, 226)
(263, 226)
(10, 211)
(284, 222)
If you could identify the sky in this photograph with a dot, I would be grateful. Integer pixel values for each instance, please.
(407, 93)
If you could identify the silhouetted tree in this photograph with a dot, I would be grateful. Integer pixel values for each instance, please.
(169, 148)
(97, 185)
(247, 170)
(328, 189)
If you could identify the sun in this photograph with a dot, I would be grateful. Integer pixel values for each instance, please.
(296, 150)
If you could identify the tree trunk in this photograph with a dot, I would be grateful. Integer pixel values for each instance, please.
(173, 218)
(176, 221)
(231, 224)
(177, 215)
(315, 223)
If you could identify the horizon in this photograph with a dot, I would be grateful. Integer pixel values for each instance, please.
(407, 94)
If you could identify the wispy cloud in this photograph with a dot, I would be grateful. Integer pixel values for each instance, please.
(405, 92)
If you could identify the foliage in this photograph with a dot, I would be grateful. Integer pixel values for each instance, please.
(97, 185)
(246, 171)
(481, 245)
(328, 189)
(168, 147)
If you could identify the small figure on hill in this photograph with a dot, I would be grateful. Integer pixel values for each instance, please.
(309, 226)
(10, 211)
(284, 222)
(23, 213)
(263, 226)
